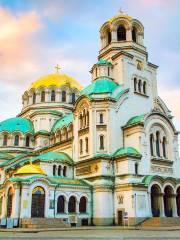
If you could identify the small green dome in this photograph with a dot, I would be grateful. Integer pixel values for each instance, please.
(100, 86)
(17, 124)
(63, 122)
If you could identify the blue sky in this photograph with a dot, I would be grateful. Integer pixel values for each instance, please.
(37, 34)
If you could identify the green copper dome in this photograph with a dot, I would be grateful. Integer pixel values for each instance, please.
(17, 125)
(100, 86)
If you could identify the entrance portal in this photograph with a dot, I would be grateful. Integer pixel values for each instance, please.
(120, 218)
(38, 202)
(155, 200)
(178, 201)
(168, 206)
(9, 202)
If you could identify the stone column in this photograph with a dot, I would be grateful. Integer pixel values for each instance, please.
(174, 205)
(129, 34)
(16, 203)
(162, 211)
(113, 35)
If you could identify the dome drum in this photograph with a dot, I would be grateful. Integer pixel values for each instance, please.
(102, 69)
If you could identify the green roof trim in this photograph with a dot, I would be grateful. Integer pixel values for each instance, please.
(135, 120)
(54, 156)
(42, 132)
(100, 86)
(63, 122)
(6, 156)
(53, 180)
(147, 179)
(103, 62)
(128, 151)
(13, 160)
(17, 124)
(48, 111)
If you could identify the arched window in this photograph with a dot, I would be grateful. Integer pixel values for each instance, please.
(121, 33)
(61, 204)
(134, 37)
(87, 144)
(64, 171)
(27, 141)
(108, 37)
(63, 96)
(81, 145)
(59, 170)
(73, 97)
(81, 120)
(101, 139)
(16, 140)
(164, 147)
(135, 84)
(101, 120)
(151, 144)
(43, 96)
(53, 96)
(144, 87)
(87, 120)
(72, 205)
(54, 170)
(82, 205)
(5, 139)
(136, 168)
(139, 86)
(34, 98)
(157, 144)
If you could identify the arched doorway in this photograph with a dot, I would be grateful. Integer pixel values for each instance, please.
(155, 200)
(83, 205)
(72, 205)
(178, 201)
(168, 204)
(38, 202)
(9, 202)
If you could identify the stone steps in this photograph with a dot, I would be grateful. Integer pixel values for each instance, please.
(43, 223)
(161, 222)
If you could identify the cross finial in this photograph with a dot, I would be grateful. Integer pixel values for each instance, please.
(57, 67)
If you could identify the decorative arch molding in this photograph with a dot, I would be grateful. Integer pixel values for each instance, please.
(123, 21)
(138, 25)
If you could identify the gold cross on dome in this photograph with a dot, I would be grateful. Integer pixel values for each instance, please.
(57, 67)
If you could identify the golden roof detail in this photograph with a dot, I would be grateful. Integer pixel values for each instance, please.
(30, 169)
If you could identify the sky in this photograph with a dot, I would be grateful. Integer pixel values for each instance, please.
(35, 35)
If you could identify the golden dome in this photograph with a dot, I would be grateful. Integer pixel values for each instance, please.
(30, 169)
(57, 80)
(121, 14)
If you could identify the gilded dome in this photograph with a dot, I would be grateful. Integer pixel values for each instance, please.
(57, 80)
(30, 169)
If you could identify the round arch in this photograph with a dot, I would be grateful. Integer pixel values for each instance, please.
(38, 202)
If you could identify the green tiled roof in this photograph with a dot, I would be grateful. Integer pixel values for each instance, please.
(12, 160)
(53, 156)
(135, 120)
(147, 179)
(100, 86)
(53, 180)
(5, 155)
(103, 62)
(17, 124)
(128, 151)
(65, 121)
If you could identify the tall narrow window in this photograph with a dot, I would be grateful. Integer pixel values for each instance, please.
(61, 204)
(59, 170)
(81, 121)
(34, 98)
(101, 120)
(151, 144)
(54, 170)
(121, 33)
(136, 168)
(16, 140)
(139, 86)
(87, 144)
(73, 96)
(134, 37)
(101, 139)
(27, 141)
(87, 118)
(64, 171)
(164, 147)
(72, 205)
(135, 84)
(157, 144)
(5, 139)
(53, 96)
(82, 205)
(81, 145)
(63, 96)
(108, 71)
(144, 87)
(96, 72)
(43, 96)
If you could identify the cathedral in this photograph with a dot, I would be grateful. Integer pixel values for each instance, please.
(96, 155)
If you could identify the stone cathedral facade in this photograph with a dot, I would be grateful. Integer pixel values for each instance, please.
(88, 155)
